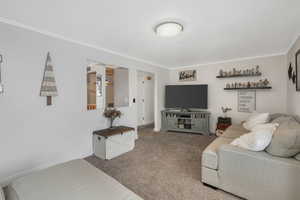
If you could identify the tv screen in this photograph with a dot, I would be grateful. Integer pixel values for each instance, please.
(186, 96)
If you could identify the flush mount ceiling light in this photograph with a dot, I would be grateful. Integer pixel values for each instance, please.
(168, 29)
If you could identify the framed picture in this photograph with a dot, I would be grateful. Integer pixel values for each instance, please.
(298, 70)
(188, 75)
(246, 101)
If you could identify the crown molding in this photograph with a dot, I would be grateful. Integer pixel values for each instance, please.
(57, 36)
(229, 60)
(292, 44)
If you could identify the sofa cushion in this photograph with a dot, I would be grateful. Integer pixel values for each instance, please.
(286, 140)
(298, 156)
(76, 180)
(234, 131)
(210, 155)
(255, 119)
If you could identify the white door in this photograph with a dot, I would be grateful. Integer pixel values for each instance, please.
(141, 100)
(149, 100)
(145, 98)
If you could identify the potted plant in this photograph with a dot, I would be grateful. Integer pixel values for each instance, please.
(225, 110)
(112, 114)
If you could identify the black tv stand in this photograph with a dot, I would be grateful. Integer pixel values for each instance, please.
(186, 121)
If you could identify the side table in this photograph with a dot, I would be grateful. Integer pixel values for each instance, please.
(222, 124)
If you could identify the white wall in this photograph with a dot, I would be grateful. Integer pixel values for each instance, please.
(293, 97)
(267, 100)
(33, 135)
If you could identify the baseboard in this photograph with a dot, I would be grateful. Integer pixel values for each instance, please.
(44, 164)
(151, 124)
(156, 130)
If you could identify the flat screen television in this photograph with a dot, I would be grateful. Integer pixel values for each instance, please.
(186, 96)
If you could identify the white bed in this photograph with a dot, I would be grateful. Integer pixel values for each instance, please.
(74, 180)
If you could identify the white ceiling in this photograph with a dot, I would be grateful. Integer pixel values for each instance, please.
(214, 30)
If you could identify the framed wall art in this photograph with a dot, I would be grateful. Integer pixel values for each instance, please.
(188, 75)
(246, 101)
(48, 88)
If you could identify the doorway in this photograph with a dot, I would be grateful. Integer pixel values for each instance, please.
(145, 98)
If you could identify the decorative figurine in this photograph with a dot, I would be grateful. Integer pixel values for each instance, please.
(234, 71)
(266, 82)
(261, 83)
(257, 70)
(221, 73)
(249, 85)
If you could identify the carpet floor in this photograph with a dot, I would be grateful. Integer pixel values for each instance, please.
(163, 166)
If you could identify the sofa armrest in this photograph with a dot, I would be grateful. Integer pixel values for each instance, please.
(258, 175)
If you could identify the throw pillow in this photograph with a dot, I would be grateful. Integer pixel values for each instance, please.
(276, 115)
(286, 140)
(282, 119)
(269, 126)
(255, 119)
(2, 197)
(258, 139)
(298, 156)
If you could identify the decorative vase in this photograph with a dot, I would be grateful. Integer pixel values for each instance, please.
(111, 122)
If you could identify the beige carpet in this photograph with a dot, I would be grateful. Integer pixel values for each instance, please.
(163, 166)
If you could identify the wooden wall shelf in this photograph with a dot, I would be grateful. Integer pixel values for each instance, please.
(252, 88)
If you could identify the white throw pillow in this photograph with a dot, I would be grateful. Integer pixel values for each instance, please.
(272, 126)
(258, 139)
(256, 119)
(2, 197)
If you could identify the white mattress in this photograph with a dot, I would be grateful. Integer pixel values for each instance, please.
(74, 180)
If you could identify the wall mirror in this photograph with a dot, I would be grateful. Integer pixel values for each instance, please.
(298, 70)
(107, 86)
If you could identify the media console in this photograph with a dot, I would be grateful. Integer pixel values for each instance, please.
(192, 122)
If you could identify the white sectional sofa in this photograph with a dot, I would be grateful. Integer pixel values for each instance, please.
(248, 174)
(74, 180)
